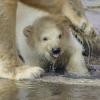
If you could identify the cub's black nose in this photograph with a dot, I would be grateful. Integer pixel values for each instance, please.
(56, 50)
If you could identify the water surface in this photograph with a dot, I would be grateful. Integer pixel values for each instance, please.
(39, 90)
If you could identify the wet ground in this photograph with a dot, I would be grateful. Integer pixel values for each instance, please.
(56, 87)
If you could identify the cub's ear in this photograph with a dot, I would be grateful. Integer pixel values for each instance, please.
(28, 31)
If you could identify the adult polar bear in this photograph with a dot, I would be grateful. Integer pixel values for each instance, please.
(10, 66)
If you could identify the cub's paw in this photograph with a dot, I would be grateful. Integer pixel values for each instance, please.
(28, 72)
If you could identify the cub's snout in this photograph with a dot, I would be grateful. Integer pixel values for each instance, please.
(56, 52)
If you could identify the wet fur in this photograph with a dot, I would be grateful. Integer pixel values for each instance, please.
(38, 52)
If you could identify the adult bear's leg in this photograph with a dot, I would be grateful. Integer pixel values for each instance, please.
(8, 57)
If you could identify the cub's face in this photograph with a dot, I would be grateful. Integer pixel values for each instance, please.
(50, 42)
(47, 41)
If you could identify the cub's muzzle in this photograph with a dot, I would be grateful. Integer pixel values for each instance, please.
(56, 52)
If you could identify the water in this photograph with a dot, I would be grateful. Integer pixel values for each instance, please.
(93, 16)
(91, 3)
(39, 90)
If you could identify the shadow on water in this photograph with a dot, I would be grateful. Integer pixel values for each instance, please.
(39, 90)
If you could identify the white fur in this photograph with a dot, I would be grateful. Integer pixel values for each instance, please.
(25, 16)
(4, 71)
(76, 64)
(28, 72)
(2, 63)
(72, 41)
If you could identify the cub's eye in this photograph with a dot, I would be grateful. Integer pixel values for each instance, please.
(60, 36)
(45, 38)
